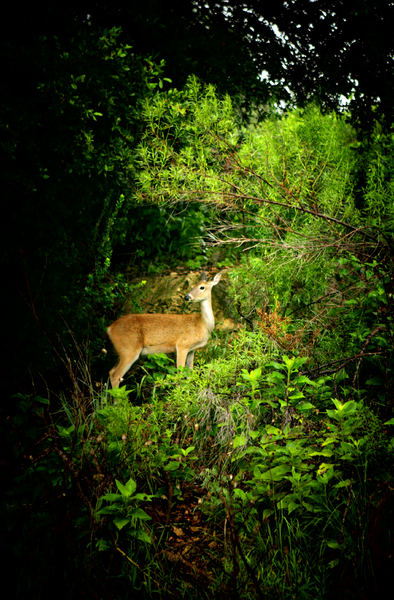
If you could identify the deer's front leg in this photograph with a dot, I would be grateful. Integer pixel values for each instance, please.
(181, 355)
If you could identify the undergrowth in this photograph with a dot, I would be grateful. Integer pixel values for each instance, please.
(246, 478)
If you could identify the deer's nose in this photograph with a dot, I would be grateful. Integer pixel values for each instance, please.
(188, 297)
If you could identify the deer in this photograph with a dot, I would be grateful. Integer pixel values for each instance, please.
(138, 335)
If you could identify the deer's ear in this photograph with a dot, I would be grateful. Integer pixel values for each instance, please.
(203, 276)
(216, 279)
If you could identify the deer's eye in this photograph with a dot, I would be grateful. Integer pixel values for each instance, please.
(202, 287)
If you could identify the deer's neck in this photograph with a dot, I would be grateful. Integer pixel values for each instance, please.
(207, 314)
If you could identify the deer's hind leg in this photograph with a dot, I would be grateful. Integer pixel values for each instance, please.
(126, 361)
(190, 359)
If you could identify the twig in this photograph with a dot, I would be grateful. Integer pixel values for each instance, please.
(347, 507)
(374, 331)
(134, 563)
(237, 546)
(170, 494)
(343, 361)
(244, 317)
(296, 207)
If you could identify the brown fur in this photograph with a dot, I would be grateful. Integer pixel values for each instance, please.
(137, 335)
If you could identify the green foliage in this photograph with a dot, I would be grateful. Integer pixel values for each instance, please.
(318, 272)
(291, 476)
(158, 235)
(374, 177)
(73, 474)
(193, 148)
(305, 474)
(279, 441)
(126, 512)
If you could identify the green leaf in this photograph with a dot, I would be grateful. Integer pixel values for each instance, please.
(344, 483)
(275, 474)
(239, 440)
(343, 410)
(288, 361)
(42, 400)
(143, 537)
(293, 506)
(333, 414)
(103, 545)
(347, 456)
(303, 379)
(140, 534)
(109, 510)
(112, 497)
(329, 440)
(271, 430)
(333, 563)
(276, 365)
(131, 486)
(241, 494)
(333, 544)
(325, 467)
(350, 407)
(346, 447)
(306, 406)
(391, 422)
(299, 361)
(143, 497)
(120, 523)
(257, 472)
(140, 514)
(66, 432)
(172, 466)
(123, 489)
(326, 452)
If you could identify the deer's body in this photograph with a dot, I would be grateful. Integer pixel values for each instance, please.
(138, 335)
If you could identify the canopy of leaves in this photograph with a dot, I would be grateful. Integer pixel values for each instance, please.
(306, 50)
(294, 51)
